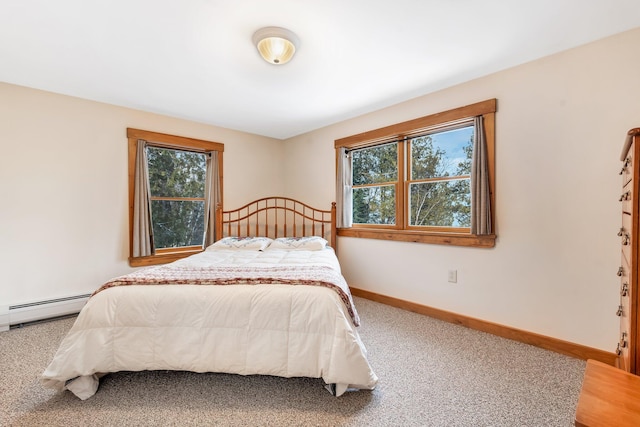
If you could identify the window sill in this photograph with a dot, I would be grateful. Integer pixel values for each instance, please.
(454, 239)
(163, 258)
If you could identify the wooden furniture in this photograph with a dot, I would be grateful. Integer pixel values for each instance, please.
(628, 345)
(609, 397)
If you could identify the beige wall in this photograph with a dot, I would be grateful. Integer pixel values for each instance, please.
(560, 126)
(63, 188)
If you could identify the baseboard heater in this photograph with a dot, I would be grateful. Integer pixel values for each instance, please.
(20, 314)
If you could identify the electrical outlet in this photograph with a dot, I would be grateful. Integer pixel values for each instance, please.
(453, 276)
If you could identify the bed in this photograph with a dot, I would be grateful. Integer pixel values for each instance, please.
(267, 298)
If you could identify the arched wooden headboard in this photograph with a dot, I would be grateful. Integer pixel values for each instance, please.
(275, 217)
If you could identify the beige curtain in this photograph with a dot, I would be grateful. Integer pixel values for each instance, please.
(212, 198)
(480, 196)
(344, 187)
(142, 229)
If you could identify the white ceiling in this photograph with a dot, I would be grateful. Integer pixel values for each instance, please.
(194, 59)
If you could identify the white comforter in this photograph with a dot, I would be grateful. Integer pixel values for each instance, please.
(281, 330)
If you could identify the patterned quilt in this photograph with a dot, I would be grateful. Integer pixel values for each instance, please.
(181, 274)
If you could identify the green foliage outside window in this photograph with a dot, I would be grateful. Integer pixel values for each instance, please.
(441, 165)
(374, 202)
(177, 185)
(374, 205)
(439, 180)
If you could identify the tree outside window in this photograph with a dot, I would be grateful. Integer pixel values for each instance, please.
(439, 190)
(177, 185)
(413, 181)
(375, 173)
(184, 176)
(440, 183)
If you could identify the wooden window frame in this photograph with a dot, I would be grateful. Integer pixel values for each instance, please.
(161, 140)
(433, 235)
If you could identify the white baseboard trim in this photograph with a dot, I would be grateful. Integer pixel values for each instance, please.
(4, 318)
(40, 310)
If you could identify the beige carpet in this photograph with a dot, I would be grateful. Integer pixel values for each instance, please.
(431, 373)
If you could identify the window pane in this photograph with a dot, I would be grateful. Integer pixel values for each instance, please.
(441, 203)
(441, 154)
(374, 205)
(177, 223)
(375, 165)
(174, 173)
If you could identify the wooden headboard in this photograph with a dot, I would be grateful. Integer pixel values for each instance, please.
(275, 217)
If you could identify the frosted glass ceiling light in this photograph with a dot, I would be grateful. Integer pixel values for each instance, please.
(276, 45)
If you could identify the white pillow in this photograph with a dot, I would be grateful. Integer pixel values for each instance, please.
(311, 243)
(247, 243)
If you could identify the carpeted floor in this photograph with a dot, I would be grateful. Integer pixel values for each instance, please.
(431, 373)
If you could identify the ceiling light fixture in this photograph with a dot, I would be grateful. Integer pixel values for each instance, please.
(276, 45)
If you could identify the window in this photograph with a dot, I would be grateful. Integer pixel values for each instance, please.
(375, 177)
(413, 181)
(440, 178)
(176, 183)
(184, 176)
